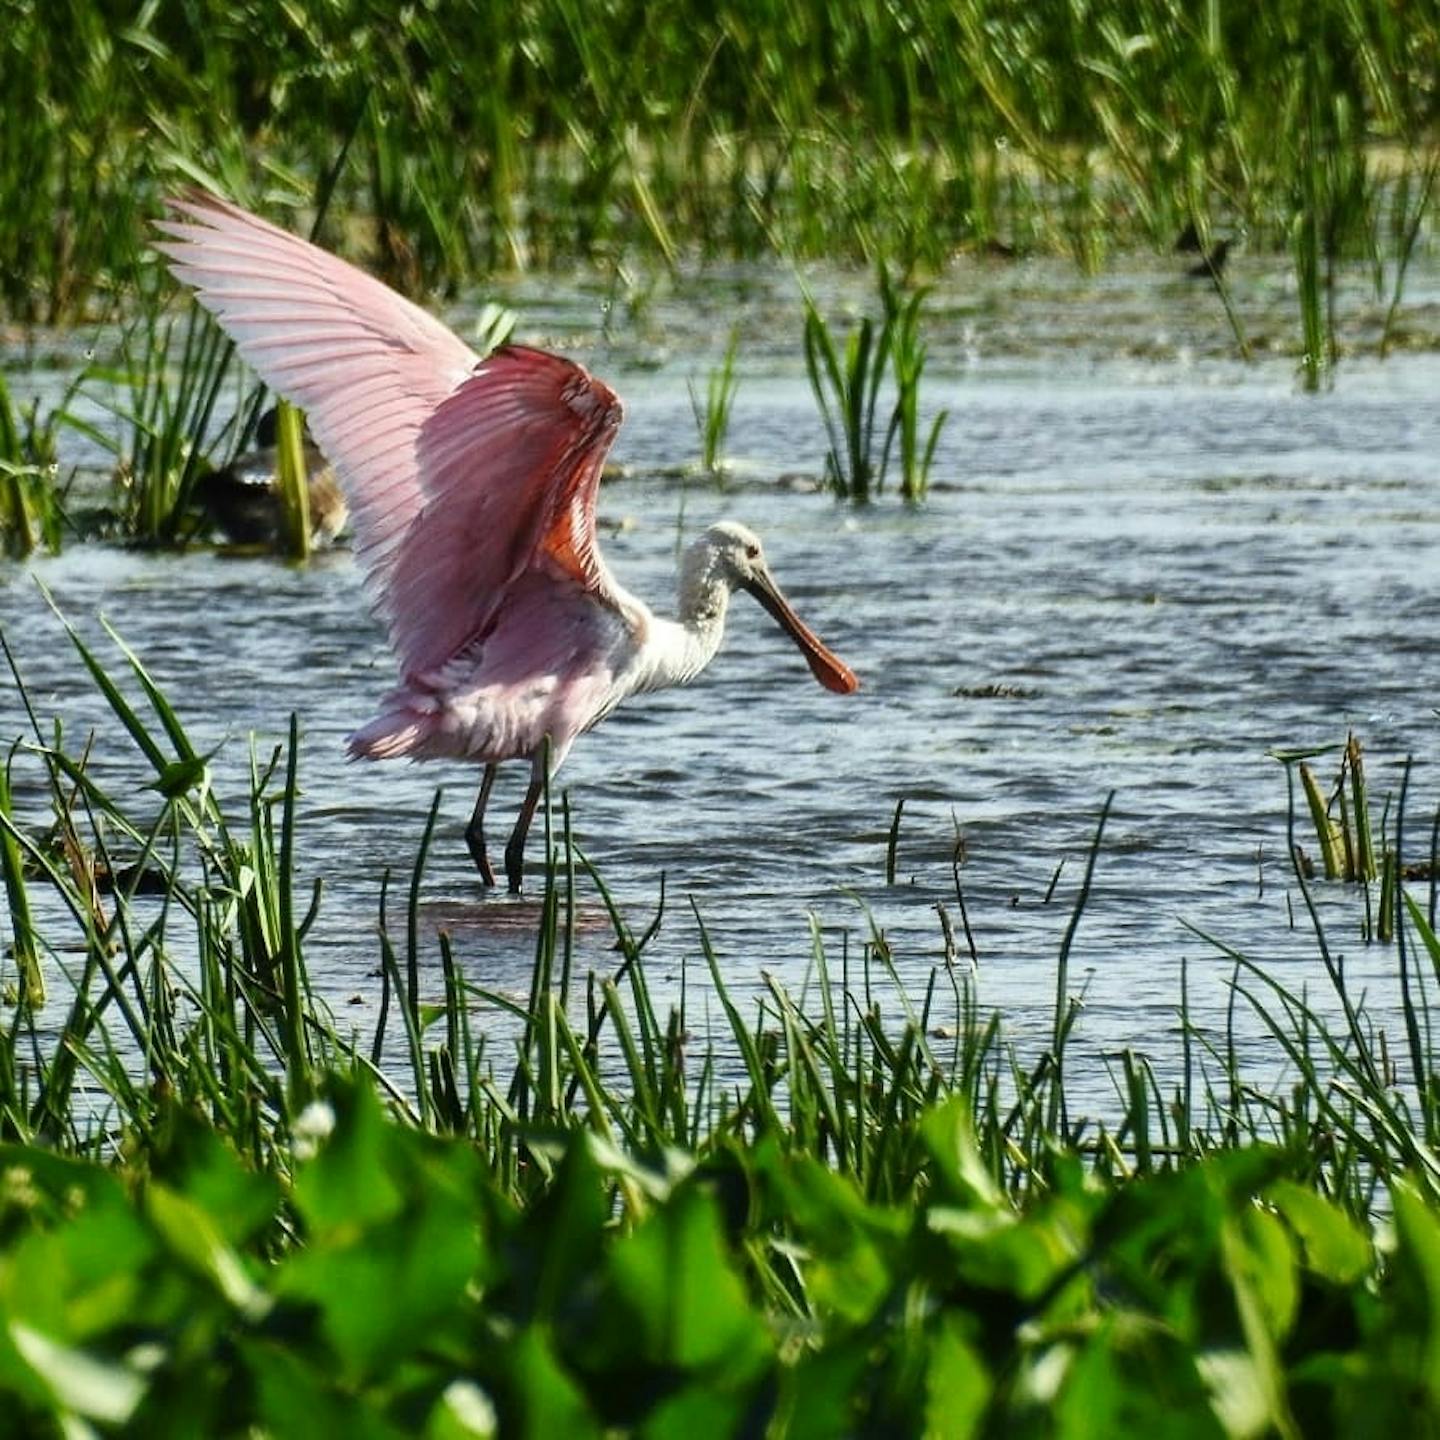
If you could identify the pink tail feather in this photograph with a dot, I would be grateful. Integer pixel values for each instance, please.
(389, 736)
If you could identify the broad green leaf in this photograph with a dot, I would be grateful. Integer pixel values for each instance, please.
(562, 1237)
(548, 1401)
(348, 1182)
(1332, 1244)
(78, 1275)
(853, 1247)
(820, 1391)
(1133, 1377)
(294, 1397)
(382, 1291)
(1269, 1260)
(196, 1163)
(1000, 1250)
(699, 1409)
(957, 1385)
(1254, 1250)
(686, 1305)
(195, 1239)
(949, 1136)
(1417, 1286)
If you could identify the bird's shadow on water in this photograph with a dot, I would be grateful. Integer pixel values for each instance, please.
(498, 913)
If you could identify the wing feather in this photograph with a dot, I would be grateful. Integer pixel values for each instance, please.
(333, 340)
(462, 475)
(514, 453)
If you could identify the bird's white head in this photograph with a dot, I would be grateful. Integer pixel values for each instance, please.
(728, 557)
(730, 552)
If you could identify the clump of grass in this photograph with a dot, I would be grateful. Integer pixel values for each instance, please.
(712, 422)
(847, 386)
(908, 354)
(230, 898)
(1344, 833)
(162, 396)
(31, 500)
(858, 132)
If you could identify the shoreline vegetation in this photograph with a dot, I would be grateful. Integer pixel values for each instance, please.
(469, 138)
(498, 1214)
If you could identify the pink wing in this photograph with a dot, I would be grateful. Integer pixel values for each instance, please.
(368, 366)
(511, 470)
(460, 475)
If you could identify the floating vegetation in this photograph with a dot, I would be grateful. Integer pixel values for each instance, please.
(995, 690)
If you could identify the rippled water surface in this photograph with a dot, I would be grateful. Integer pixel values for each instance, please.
(1143, 567)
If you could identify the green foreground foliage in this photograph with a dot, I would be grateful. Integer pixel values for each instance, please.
(219, 1213)
(381, 1283)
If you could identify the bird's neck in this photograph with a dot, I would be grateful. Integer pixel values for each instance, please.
(680, 649)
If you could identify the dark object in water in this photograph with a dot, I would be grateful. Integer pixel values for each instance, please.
(243, 500)
(137, 879)
(1188, 240)
(1211, 267)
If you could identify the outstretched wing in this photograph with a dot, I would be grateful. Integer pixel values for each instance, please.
(367, 366)
(461, 474)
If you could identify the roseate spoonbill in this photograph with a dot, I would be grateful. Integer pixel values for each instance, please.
(472, 486)
(243, 500)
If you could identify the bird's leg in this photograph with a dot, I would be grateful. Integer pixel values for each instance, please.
(515, 847)
(475, 830)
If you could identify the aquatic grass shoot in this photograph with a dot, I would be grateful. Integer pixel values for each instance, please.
(1341, 818)
(31, 497)
(162, 397)
(908, 354)
(847, 384)
(712, 421)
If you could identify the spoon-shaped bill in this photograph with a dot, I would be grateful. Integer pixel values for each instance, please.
(827, 667)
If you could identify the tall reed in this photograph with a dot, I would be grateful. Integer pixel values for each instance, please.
(856, 132)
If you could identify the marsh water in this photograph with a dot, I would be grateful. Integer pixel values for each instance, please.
(1143, 567)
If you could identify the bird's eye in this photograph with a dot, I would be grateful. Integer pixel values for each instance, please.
(752, 552)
